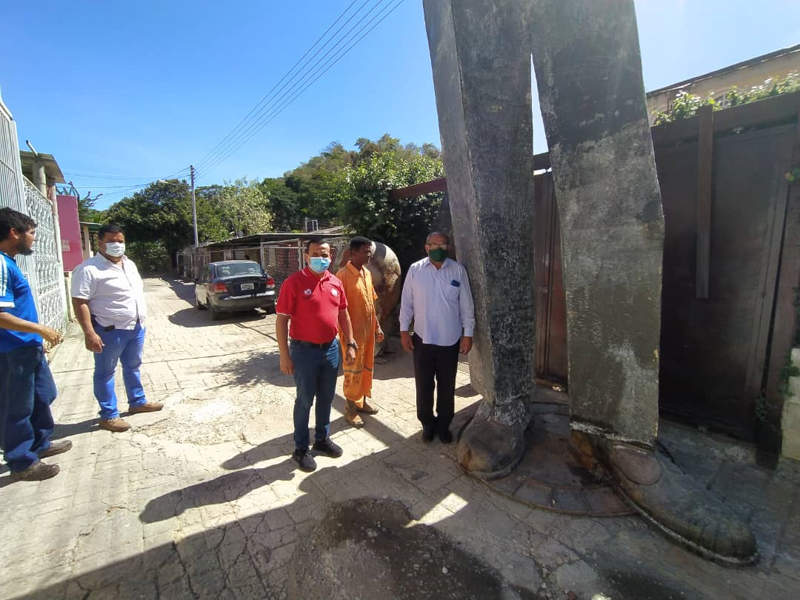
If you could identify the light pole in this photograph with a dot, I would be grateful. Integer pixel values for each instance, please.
(194, 208)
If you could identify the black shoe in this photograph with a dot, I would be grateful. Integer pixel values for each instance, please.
(36, 472)
(428, 431)
(55, 448)
(328, 448)
(445, 436)
(304, 459)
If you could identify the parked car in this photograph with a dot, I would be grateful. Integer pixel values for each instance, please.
(234, 285)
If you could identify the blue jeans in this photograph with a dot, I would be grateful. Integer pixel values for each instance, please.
(125, 346)
(27, 390)
(315, 372)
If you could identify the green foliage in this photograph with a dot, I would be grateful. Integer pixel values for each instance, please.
(337, 186)
(150, 257)
(685, 105)
(283, 204)
(793, 175)
(233, 209)
(403, 223)
(161, 212)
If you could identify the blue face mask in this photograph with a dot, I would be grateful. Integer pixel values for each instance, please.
(318, 264)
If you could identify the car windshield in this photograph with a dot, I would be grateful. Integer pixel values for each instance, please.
(234, 269)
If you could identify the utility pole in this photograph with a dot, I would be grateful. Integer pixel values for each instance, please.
(194, 208)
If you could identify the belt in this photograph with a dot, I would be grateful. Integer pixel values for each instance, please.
(101, 328)
(323, 346)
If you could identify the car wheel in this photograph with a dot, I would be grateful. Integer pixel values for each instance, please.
(215, 314)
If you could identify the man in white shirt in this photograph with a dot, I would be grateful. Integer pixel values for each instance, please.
(108, 297)
(437, 296)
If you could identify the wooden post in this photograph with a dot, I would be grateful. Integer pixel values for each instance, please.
(705, 147)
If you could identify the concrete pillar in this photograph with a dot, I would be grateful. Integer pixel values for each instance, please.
(588, 69)
(482, 77)
(39, 177)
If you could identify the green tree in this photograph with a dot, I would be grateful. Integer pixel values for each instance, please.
(283, 204)
(367, 208)
(244, 208)
(161, 212)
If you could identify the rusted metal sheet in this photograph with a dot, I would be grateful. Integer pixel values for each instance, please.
(419, 189)
(713, 351)
(551, 317)
(705, 146)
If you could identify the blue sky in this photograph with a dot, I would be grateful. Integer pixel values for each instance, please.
(122, 93)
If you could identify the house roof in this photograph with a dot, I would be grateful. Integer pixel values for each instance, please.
(734, 67)
(51, 168)
(277, 236)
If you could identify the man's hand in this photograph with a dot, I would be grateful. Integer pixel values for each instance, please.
(51, 336)
(350, 355)
(406, 341)
(379, 334)
(287, 366)
(466, 345)
(93, 342)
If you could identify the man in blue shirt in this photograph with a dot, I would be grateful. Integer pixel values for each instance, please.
(26, 385)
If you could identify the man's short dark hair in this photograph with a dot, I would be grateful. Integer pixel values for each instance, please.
(108, 228)
(441, 233)
(359, 242)
(317, 239)
(12, 219)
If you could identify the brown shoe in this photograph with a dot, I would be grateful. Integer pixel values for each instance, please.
(55, 448)
(351, 414)
(146, 407)
(36, 472)
(367, 408)
(116, 424)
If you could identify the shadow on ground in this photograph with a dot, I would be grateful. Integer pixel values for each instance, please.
(257, 368)
(259, 555)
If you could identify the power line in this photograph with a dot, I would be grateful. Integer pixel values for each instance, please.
(267, 95)
(266, 110)
(280, 102)
(314, 77)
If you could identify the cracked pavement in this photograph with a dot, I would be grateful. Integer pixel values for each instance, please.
(201, 499)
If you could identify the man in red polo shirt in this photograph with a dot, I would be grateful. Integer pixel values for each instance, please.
(311, 308)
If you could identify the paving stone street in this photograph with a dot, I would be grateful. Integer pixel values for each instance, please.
(201, 500)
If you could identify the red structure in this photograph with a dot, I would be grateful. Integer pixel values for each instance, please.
(71, 248)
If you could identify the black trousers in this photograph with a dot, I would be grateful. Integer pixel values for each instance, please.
(439, 364)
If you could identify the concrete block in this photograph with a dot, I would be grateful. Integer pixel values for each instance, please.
(791, 427)
(796, 357)
(794, 387)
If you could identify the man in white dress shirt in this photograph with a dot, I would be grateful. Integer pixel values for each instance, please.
(108, 297)
(437, 296)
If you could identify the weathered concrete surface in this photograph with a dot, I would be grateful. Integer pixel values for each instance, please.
(588, 71)
(202, 501)
(790, 423)
(369, 548)
(482, 77)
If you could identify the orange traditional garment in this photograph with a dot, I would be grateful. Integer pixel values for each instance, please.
(361, 298)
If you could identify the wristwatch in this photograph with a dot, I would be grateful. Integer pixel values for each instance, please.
(352, 345)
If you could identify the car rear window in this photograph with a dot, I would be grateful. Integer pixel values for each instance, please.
(238, 269)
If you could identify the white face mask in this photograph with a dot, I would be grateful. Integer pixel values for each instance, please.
(115, 249)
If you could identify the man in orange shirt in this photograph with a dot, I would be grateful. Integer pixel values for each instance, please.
(361, 296)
